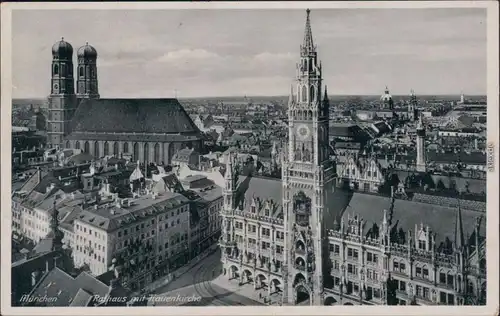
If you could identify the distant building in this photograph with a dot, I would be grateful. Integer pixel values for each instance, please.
(186, 156)
(386, 101)
(204, 122)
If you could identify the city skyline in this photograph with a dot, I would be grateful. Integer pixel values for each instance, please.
(165, 53)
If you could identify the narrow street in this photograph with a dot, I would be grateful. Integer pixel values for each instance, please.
(197, 282)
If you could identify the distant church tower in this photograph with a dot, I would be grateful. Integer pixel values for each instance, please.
(62, 99)
(308, 179)
(421, 163)
(412, 107)
(87, 85)
(386, 101)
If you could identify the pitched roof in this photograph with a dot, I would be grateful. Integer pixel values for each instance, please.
(162, 116)
(66, 289)
(271, 188)
(476, 157)
(82, 298)
(264, 188)
(109, 217)
(408, 213)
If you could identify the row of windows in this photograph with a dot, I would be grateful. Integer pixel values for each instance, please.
(353, 172)
(83, 240)
(423, 272)
(90, 253)
(84, 230)
(81, 71)
(265, 231)
(157, 152)
(152, 222)
(354, 253)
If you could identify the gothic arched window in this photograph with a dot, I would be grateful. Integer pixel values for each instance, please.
(97, 153)
(157, 153)
(125, 147)
(304, 94)
(68, 145)
(77, 145)
(115, 148)
(106, 148)
(136, 151)
(146, 152)
(170, 152)
(80, 70)
(86, 147)
(56, 69)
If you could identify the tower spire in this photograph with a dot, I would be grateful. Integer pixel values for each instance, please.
(308, 44)
(55, 233)
(290, 98)
(459, 232)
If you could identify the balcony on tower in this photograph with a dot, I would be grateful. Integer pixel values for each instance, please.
(302, 208)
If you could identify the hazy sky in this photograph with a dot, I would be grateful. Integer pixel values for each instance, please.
(253, 52)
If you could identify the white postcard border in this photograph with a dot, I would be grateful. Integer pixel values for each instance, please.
(492, 181)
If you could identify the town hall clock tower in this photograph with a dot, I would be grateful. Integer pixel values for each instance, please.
(308, 180)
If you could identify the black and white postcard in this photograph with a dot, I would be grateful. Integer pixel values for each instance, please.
(222, 158)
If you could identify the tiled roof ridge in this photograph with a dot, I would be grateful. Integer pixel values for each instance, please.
(44, 276)
(91, 276)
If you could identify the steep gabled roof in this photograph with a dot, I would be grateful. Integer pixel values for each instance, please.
(162, 116)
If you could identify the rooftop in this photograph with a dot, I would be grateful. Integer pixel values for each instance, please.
(407, 214)
(109, 216)
(67, 289)
(163, 116)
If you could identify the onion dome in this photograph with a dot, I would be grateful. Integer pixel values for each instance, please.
(62, 49)
(386, 96)
(87, 52)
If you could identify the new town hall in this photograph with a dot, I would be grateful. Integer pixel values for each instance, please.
(149, 130)
(300, 240)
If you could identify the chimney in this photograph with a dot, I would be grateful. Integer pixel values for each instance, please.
(57, 261)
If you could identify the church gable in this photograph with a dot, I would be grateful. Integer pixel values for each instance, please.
(372, 171)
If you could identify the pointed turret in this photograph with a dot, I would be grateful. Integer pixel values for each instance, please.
(229, 167)
(308, 44)
(290, 98)
(459, 232)
(421, 155)
(56, 235)
(412, 106)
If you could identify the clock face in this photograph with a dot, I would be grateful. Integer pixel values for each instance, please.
(303, 132)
